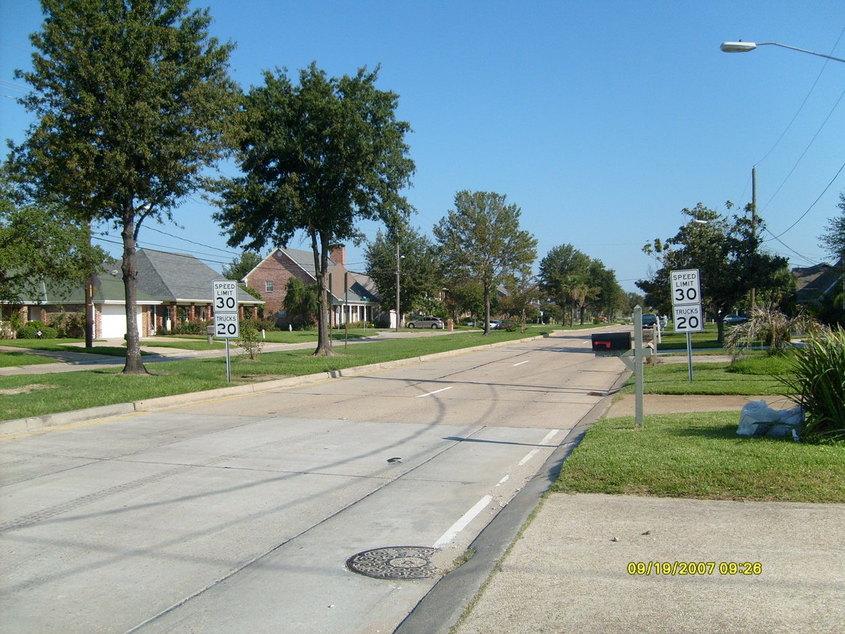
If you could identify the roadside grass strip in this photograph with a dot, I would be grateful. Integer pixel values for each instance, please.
(699, 455)
(754, 375)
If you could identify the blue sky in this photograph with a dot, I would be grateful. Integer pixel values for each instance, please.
(600, 120)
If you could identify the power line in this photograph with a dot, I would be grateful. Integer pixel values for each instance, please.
(806, 149)
(803, 103)
(802, 216)
(208, 246)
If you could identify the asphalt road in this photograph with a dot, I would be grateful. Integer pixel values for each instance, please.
(239, 515)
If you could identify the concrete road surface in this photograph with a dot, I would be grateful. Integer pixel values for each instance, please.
(239, 515)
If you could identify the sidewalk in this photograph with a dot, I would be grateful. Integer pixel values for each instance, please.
(571, 569)
(69, 361)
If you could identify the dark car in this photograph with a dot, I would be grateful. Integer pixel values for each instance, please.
(733, 319)
(426, 322)
(650, 320)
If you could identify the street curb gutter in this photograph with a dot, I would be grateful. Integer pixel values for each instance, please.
(443, 606)
(36, 424)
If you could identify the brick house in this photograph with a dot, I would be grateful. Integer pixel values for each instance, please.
(353, 295)
(172, 288)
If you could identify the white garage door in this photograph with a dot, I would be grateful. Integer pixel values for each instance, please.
(113, 322)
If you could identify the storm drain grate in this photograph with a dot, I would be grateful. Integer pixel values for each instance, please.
(395, 562)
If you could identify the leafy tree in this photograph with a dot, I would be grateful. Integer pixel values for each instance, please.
(609, 296)
(481, 239)
(131, 99)
(520, 302)
(421, 276)
(238, 268)
(564, 277)
(726, 252)
(39, 242)
(465, 296)
(301, 302)
(316, 157)
(833, 240)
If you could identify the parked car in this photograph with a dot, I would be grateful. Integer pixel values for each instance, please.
(495, 324)
(426, 322)
(733, 319)
(649, 320)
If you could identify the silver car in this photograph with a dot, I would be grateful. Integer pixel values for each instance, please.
(426, 322)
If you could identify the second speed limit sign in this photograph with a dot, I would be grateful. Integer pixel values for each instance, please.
(226, 326)
(688, 318)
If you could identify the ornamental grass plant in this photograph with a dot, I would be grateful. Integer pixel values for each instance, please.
(817, 383)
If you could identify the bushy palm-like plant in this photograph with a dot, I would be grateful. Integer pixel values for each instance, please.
(770, 328)
(817, 383)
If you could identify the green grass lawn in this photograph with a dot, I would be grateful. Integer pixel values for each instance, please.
(34, 395)
(754, 375)
(699, 455)
(11, 359)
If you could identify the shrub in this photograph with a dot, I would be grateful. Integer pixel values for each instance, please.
(817, 383)
(31, 329)
(190, 328)
(771, 328)
(70, 325)
(250, 340)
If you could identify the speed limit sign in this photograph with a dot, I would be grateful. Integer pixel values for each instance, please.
(688, 318)
(686, 287)
(225, 296)
(226, 326)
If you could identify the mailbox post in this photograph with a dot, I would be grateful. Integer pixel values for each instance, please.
(618, 344)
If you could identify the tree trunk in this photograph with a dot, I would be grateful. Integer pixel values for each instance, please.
(134, 365)
(321, 265)
(486, 309)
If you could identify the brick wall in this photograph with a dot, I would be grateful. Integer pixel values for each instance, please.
(277, 268)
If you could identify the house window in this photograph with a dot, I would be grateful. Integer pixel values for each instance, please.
(268, 286)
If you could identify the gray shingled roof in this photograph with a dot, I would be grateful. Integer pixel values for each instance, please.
(305, 259)
(177, 277)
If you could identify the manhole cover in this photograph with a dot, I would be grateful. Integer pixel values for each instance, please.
(395, 562)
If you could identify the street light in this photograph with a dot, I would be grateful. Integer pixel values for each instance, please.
(745, 47)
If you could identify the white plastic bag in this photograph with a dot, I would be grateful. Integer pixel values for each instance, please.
(757, 419)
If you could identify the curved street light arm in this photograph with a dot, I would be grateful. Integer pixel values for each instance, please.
(744, 47)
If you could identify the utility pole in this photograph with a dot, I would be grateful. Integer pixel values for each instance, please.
(754, 227)
(397, 282)
(89, 304)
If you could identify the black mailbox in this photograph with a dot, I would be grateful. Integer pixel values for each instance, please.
(611, 343)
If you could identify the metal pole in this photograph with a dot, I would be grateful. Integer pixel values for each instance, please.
(397, 282)
(753, 226)
(228, 366)
(638, 366)
(689, 354)
(346, 301)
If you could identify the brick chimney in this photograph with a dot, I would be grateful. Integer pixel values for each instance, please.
(338, 254)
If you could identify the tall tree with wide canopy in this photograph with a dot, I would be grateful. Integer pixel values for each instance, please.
(726, 252)
(316, 157)
(420, 270)
(480, 239)
(40, 243)
(131, 99)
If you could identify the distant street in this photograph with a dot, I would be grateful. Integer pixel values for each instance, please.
(238, 515)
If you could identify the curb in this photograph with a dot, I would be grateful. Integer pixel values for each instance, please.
(36, 424)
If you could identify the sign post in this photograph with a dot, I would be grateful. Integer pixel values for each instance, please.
(226, 324)
(686, 305)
